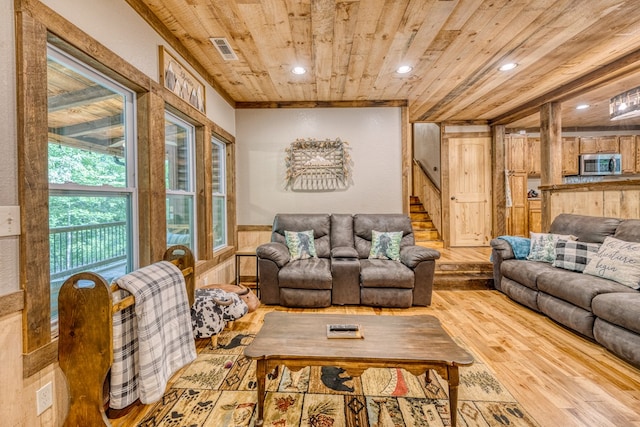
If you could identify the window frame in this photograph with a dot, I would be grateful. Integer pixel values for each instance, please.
(222, 177)
(191, 174)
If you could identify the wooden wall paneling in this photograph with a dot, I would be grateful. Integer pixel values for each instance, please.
(498, 168)
(33, 191)
(570, 155)
(152, 221)
(622, 204)
(628, 152)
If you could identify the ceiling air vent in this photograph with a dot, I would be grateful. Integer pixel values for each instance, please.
(223, 47)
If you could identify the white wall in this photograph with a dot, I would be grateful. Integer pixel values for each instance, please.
(373, 134)
(426, 148)
(114, 24)
(8, 172)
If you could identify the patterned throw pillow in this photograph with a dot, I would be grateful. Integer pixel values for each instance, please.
(617, 260)
(301, 244)
(385, 245)
(573, 255)
(543, 246)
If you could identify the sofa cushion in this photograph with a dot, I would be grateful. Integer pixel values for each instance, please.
(319, 223)
(574, 256)
(628, 230)
(577, 288)
(567, 314)
(385, 245)
(300, 244)
(377, 273)
(524, 272)
(543, 246)
(622, 342)
(312, 273)
(364, 224)
(585, 228)
(519, 293)
(622, 309)
(617, 260)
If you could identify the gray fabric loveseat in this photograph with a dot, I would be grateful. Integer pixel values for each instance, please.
(591, 303)
(344, 269)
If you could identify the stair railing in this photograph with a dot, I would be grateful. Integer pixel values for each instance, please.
(428, 193)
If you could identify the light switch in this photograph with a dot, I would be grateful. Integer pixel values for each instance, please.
(9, 220)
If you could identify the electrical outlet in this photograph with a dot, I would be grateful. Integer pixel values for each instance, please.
(44, 398)
(9, 220)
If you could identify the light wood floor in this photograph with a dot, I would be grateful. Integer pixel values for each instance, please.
(560, 378)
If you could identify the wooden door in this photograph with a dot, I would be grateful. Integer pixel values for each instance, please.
(470, 191)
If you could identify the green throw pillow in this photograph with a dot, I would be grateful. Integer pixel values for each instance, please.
(543, 246)
(301, 244)
(385, 245)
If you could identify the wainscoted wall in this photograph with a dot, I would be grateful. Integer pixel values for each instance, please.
(374, 135)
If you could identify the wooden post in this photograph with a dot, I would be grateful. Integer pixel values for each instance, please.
(550, 155)
(499, 223)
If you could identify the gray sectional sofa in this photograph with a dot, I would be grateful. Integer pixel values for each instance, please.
(342, 272)
(598, 308)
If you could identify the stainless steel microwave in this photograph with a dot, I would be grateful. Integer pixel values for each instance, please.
(600, 164)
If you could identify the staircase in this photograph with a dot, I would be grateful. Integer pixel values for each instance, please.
(457, 268)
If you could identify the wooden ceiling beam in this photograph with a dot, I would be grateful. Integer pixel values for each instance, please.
(323, 104)
(623, 67)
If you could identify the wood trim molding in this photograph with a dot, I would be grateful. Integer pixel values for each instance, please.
(241, 228)
(11, 303)
(43, 356)
(323, 104)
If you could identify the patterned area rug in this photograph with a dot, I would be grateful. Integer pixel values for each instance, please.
(219, 389)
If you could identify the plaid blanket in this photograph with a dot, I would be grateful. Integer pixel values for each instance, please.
(152, 339)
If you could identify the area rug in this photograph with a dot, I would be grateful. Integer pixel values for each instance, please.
(219, 389)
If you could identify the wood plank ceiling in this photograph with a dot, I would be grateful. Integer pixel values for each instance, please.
(352, 48)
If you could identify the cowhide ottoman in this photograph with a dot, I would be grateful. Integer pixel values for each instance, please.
(211, 311)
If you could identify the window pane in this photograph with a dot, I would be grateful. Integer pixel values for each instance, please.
(87, 233)
(217, 168)
(219, 222)
(91, 184)
(86, 129)
(218, 154)
(179, 220)
(177, 154)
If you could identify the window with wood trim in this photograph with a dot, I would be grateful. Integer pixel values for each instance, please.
(219, 193)
(91, 170)
(180, 182)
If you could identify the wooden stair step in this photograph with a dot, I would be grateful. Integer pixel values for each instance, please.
(462, 282)
(422, 235)
(433, 244)
(416, 208)
(422, 225)
(419, 216)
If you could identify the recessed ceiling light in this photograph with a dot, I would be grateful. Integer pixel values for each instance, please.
(404, 69)
(582, 106)
(298, 70)
(507, 67)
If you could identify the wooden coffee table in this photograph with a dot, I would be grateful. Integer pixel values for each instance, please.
(415, 343)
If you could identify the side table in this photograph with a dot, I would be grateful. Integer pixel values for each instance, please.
(247, 253)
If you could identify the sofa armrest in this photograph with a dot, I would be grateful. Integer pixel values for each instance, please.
(344, 252)
(274, 251)
(503, 248)
(411, 256)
